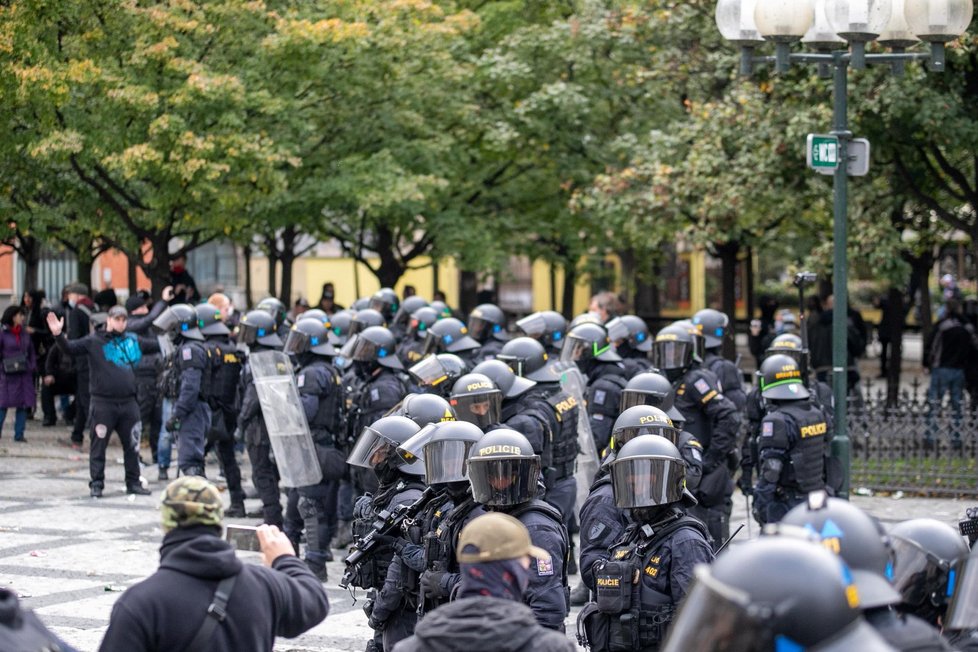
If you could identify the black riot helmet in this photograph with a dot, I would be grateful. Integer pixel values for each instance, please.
(448, 335)
(587, 343)
(487, 320)
(774, 594)
(441, 308)
(504, 377)
(360, 304)
(339, 327)
(406, 309)
(642, 420)
(275, 308)
(424, 409)
(421, 320)
(652, 388)
(674, 350)
(385, 302)
(181, 319)
(376, 447)
(436, 374)
(781, 379)
(364, 319)
(528, 359)
(316, 313)
(209, 320)
(791, 345)
(927, 552)
(259, 327)
(445, 447)
(503, 469)
(476, 399)
(375, 344)
(308, 335)
(585, 318)
(547, 327)
(855, 536)
(629, 333)
(713, 325)
(648, 472)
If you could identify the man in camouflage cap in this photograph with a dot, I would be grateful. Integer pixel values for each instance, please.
(166, 610)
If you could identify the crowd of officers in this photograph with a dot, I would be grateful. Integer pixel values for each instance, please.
(423, 422)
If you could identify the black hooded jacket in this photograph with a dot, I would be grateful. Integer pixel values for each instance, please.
(476, 623)
(165, 611)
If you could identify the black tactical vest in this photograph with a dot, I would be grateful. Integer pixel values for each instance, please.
(808, 452)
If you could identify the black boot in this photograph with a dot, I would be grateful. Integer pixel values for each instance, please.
(96, 491)
(580, 595)
(235, 510)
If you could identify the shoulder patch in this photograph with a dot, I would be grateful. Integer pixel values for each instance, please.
(702, 386)
(767, 429)
(596, 531)
(301, 380)
(600, 396)
(696, 454)
(374, 394)
(186, 353)
(545, 567)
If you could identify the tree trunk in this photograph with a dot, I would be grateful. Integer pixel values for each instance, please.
(468, 288)
(920, 274)
(553, 287)
(158, 268)
(131, 268)
(287, 258)
(895, 299)
(727, 252)
(249, 300)
(627, 280)
(84, 269)
(30, 251)
(567, 300)
(751, 299)
(271, 250)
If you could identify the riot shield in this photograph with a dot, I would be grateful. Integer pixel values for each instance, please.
(295, 453)
(572, 381)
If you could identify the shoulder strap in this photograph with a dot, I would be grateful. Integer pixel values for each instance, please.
(216, 613)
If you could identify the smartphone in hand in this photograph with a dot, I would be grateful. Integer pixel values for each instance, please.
(242, 537)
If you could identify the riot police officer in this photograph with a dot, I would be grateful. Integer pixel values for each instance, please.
(321, 392)
(632, 341)
(279, 312)
(450, 335)
(437, 374)
(505, 473)
(602, 521)
(410, 348)
(649, 568)
(710, 417)
(652, 388)
(423, 572)
(339, 327)
(476, 399)
(257, 331)
(776, 593)
(399, 483)
(364, 319)
(487, 326)
(792, 444)
(589, 346)
(190, 370)
(226, 362)
(859, 540)
(926, 555)
(547, 327)
(424, 409)
(714, 326)
(402, 318)
(385, 302)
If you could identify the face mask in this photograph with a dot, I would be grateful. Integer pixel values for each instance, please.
(674, 374)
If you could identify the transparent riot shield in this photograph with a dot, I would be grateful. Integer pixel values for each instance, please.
(295, 453)
(573, 382)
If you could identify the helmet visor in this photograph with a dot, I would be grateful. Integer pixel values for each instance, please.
(358, 348)
(378, 304)
(167, 321)
(446, 460)
(480, 329)
(534, 326)
(633, 397)
(297, 342)
(576, 349)
(962, 614)
(504, 481)
(429, 372)
(617, 330)
(624, 435)
(249, 333)
(715, 616)
(413, 449)
(672, 354)
(482, 409)
(371, 449)
(916, 573)
(647, 481)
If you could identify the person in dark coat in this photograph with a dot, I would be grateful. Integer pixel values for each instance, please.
(17, 369)
(494, 552)
(166, 610)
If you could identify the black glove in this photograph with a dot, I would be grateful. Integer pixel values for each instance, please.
(431, 584)
(173, 424)
(397, 543)
(744, 482)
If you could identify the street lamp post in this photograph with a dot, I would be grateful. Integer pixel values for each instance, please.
(822, 25)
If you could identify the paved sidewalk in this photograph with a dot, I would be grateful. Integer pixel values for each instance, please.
(70, 556)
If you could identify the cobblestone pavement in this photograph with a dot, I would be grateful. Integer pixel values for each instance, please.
(70, 556)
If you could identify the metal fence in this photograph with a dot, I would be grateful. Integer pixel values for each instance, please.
(913, 447)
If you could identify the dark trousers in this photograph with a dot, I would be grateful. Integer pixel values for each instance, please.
(192, 437)
(150, 410)
(716, 519)
(121, 417)
(265, 477)
(82, 399)
(562, 496)
(229, 465)
(317, 508)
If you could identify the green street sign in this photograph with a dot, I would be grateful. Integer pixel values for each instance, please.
(822, 152)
